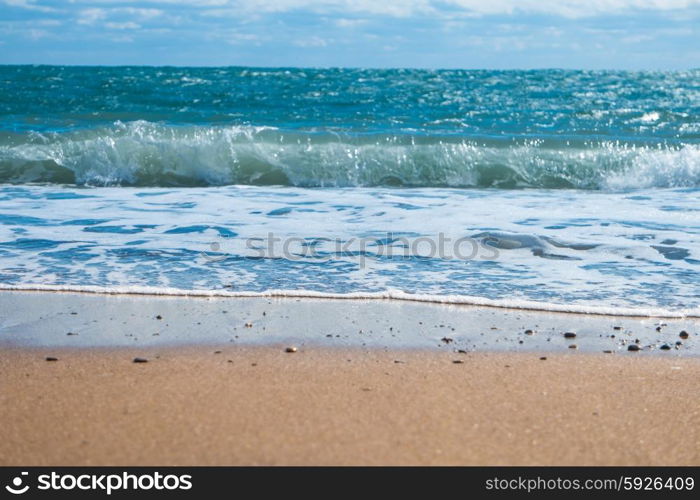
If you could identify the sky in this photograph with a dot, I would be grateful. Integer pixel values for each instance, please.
(491, 34)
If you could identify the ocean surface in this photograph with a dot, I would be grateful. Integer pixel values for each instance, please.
(548, 189)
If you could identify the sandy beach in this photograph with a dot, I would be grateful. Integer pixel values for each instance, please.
(458, 385)
(345, 406)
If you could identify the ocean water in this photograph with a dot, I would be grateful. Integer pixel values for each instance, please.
(553, 190)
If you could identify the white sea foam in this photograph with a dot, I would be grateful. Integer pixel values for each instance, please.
(606, 251)
(651, 312)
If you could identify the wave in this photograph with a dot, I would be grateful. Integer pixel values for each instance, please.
(529, 305)
(144, 153)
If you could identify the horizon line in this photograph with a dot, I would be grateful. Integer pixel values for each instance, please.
(358, 68)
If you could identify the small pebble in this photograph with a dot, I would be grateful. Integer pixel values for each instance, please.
(607, 352)
(51, 358)
(140, 360)
(249, 325)
(569, 335)
(684, 334)
(159, 317)
(665, 347)
(617, 328)
(633, 347)
(573, 346)
(290, 349)
(529, 332)
(457, 361)
(217, 352)
(543, 358)
(446, 340)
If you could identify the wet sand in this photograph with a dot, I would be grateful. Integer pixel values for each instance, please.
(80, 320)
(319, 405)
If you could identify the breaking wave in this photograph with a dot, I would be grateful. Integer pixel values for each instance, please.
(143, 153)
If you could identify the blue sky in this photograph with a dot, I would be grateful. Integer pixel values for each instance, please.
(623, 34)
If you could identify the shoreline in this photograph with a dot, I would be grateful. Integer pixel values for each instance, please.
(345, 406)
(395, 295)
(74, 320)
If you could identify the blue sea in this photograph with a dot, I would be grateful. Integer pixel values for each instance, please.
(549, 189)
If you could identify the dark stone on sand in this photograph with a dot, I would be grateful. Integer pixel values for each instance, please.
(446, 340)
(457, 361)
(617, 328)
(71, 333)
(529, 332)
(573, 346)
(678, 342)
(684, 334)
(607, 352)
(633, 347)
(569, 335)
(665, 347)
(140, 360)
(217, 352)
(159, 317)
(51, 358)
(543, 358)
(658, 328)
(290, 349)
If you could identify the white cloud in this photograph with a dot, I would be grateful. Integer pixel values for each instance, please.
(91, 16)
(123, 26)
(185, 3)
(393, 8)
(406, 8)
(568, 8)
(133, 15)
(36, 34)
(29, 5)
(313, 41)
(241, 38)
(344, 9)
(140, 13)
